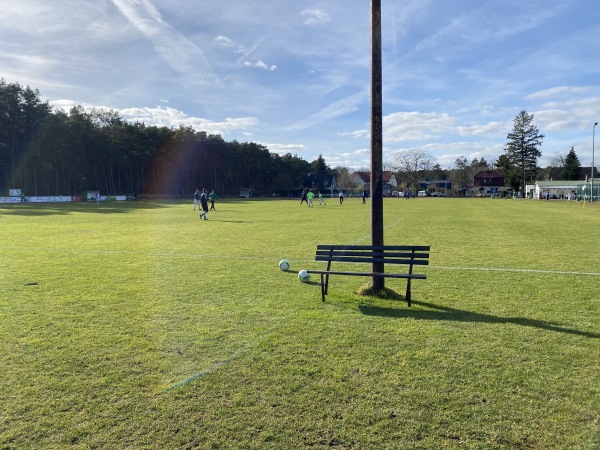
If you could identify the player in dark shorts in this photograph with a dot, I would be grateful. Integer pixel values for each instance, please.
(303, 198)
(204, 203)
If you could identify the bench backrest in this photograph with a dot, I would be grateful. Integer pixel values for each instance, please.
(387, 254)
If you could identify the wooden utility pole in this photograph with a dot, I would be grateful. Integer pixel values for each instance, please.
(376, 139)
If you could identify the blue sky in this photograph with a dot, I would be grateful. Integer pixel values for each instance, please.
(295, 76)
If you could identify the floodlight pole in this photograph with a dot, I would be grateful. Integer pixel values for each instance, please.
(376, 139)
(592, 178)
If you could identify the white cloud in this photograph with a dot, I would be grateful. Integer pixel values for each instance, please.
(260, 65)
(559, 91)
(315, 16)
(225, 42)
(338, 108)
(490, 129)
(568, 115)
(415, 126)
(283, 149)
(28, 63)
(173, 118)
(358, 134)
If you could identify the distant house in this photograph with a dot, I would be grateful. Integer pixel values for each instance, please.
(319, 182)
(439, 185)
(488, 182)
(363, 179)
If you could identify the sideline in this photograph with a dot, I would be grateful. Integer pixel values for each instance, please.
(303, 261)
(492, 269)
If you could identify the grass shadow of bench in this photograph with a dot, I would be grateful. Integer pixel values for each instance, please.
(436, 312)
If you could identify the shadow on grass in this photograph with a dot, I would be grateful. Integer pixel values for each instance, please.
(105, 207)
(66, 208)
(459, 315)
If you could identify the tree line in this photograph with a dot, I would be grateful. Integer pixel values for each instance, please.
(51, 152)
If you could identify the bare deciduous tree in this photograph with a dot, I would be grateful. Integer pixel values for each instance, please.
(412, 165)
(343, 178)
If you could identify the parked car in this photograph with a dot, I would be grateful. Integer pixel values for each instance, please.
(438, 194)
(424, 194)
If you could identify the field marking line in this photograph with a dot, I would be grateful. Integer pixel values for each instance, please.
(134, 253)
(213, 368)
(493, 269)
(304, 261)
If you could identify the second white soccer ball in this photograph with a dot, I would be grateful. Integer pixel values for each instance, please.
(284, 265)
(304, 276)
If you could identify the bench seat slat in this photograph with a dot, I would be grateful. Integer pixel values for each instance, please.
(341, 259)
(328, 254)
(418, 276)
(374, 247)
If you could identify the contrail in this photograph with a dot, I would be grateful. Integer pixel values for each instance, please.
(182, 55)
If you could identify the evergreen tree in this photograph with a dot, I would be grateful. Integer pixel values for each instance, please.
(508, 170)
(522, 146)
(318, 166)
(572, 166)
(22, 113)
(46, 152)
(437, 173)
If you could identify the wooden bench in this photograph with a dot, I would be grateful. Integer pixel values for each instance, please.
(408, 255)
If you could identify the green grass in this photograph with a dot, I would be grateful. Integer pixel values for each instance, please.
(136, 325)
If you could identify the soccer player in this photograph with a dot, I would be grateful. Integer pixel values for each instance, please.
(321, 199)
(204, 203)
(310, 196)
(213, 199)
(197, 199)
(303, 198)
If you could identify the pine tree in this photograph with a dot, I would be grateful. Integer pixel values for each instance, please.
(572, 166)
(508, 171)
(319, 166)
(522, 146)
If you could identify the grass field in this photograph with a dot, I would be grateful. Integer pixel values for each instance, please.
(136, 325)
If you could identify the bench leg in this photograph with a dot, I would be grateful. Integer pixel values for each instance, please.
(323, 288)
(408, 292)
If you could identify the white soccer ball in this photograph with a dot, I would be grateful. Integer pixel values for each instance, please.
(284, 265)
(304, 276)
